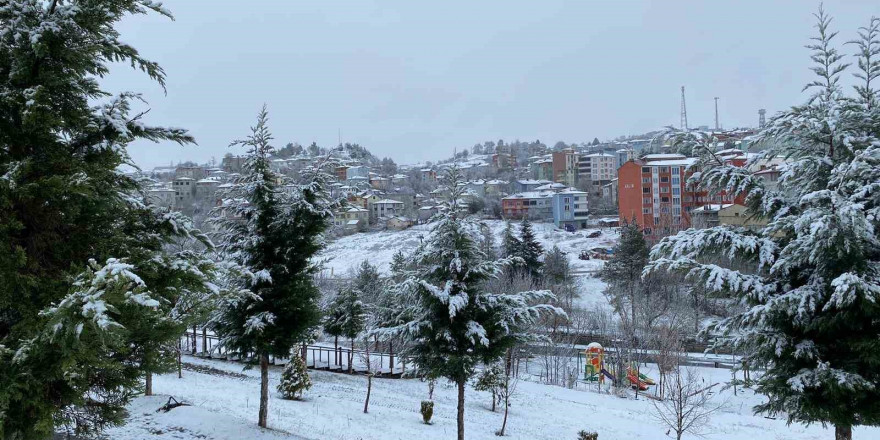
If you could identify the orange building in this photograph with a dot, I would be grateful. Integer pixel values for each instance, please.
(655, 194)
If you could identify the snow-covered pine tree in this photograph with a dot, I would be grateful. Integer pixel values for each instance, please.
(623, 272)
(398, 266)
(294, 379)
(810, 280)
(367, 282)
(345, 317)
(455, 324)
(68, 217)
(487, 242)
(272, 228)
(509, 241)
(530, 250)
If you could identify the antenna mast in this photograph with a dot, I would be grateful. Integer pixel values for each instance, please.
(761, 118)
(717, 125)
(684, 112)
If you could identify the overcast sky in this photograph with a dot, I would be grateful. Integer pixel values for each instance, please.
(413, 80)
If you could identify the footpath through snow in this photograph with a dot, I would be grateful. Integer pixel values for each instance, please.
(225, 408)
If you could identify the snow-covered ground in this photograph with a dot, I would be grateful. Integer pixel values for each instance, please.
(342, 256)
(346, 253)
(225, 402)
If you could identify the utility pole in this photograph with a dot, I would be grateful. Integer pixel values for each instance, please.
(684, 112)
(717, 125)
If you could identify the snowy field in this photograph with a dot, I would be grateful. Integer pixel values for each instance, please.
(225, 403)
(344, 254)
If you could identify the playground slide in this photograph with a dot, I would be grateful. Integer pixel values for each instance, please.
(636, 382)
(608, 375)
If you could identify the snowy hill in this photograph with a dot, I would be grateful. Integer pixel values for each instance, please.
(225, 400)
(345, 253)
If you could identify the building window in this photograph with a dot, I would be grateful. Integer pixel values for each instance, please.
(646, 210)
(664, 199)
(664, 210)
(646, 180)
(646, 169)
(676, 220)
(676, 180)
(664, 169)
(676, 191)
(664, 179)
(646, 201)
(646, 190)
(676, 201)
(664, 189)
(676, 210)
(675, 170)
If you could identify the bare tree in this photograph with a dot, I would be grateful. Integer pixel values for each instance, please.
(688, 406)
(508, 386)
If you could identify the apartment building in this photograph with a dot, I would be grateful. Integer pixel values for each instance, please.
(570, 209)
(565, 167)
(535, 205)
(654, 193)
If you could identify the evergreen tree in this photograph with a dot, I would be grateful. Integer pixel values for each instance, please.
(509, 242)
(530, 250)
(487, 242)
(272, 228)
(74, 230)
(367, 282)
(398, 266)
(346, 317)
(809, 280)
(623, 272)
(454, 324)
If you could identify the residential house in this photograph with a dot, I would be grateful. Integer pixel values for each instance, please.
(565, 167)
(570, 209)
(386, 208)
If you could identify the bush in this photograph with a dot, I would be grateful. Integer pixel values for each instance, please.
(584, 435)
(427, 411)
(294, 379)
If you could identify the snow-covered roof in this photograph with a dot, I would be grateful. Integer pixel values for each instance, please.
(356, 209)
(387, 202)
(531, 195)
(688, 161)
(532, 182)
(601, 155)
(551, 187)
(352, 222)
(712, 208)
(663, 156)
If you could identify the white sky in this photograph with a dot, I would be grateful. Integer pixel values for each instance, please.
(414, 80)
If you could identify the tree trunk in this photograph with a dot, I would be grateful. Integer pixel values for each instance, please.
(351, 356)
(264, 390)
(506, 407)
(842, 432)
(461, 410)
(205, 341)
(493, 400)
(195, 342)
(391, 356)
(148, 386)
(179, 363)
(369, 388)
(336, 351)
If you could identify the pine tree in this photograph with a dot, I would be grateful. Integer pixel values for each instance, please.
(509, 242)
(367, 282)
(454, 324)
(272, 228)
(487, 242)
(809, 280)
(623, 272)
(530, 250)
(346, 317)
(69, 217)
(398, 266)
(294, 379)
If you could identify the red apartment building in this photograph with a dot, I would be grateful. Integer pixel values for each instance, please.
(653, 192)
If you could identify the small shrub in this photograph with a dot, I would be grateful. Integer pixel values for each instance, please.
(427, 411)
(584, 435)
(294, 379)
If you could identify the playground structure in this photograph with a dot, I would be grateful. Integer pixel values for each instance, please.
(595, 371)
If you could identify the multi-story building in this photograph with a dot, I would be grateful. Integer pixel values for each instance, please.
(163, 197)
(386, 208)
(428, 176)
(528, 184)
(184, 191)
(570, 209)
(624, 155)
(542, 169)
(359, 172)
(535, 205)
(565, 167)
(598, 168)
(655, 195)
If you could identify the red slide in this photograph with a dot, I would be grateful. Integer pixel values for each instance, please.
(635, 381)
